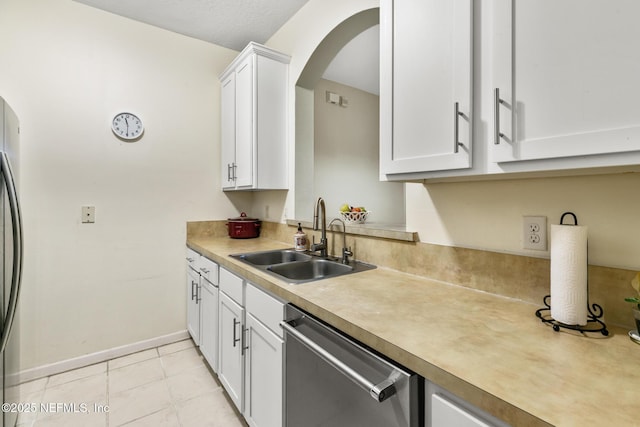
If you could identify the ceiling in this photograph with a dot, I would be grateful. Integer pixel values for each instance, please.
(358, 63)
(228, 23)
(233, 24)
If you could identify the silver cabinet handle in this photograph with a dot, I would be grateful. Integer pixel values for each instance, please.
(205, 270)
(235, 340)
(16, 228)
(228, 171)
(380, 392)
(192, 292)
(190, 259)
(244, 339)
(496, 113)
(456, 114)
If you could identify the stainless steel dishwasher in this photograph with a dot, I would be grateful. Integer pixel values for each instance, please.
(333, 381)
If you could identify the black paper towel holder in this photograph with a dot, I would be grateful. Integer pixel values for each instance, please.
(594, 324)
(595, 312)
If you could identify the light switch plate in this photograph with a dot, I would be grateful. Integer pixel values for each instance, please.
(88, 214)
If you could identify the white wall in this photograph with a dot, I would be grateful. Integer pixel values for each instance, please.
(298, 38)
(66, 70)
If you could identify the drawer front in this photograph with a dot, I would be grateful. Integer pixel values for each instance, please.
(193, 258)
(209, 270)
(231, 285)
(266, 308)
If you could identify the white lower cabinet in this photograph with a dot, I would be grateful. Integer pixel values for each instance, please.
(263, 375)
(202, 305)
(231, 355)
(263, 359)
(193, 295)
(209, 324)
(443, 409)
(250, 363)
(209, 311)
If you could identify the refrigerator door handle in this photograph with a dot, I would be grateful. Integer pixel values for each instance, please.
(16, 225)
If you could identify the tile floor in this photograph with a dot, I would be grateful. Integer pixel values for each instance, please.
(165, 386)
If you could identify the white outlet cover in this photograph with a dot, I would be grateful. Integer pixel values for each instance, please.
(534, 232)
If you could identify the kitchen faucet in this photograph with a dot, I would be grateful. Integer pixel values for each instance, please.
(346, 253)
(322, 246)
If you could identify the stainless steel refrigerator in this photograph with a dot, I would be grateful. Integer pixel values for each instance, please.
(11, 265)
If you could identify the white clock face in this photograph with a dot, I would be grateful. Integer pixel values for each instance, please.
(127, 126)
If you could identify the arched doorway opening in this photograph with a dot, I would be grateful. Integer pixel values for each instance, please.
(337, 125)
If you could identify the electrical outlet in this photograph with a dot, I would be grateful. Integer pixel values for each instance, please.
(534, 232)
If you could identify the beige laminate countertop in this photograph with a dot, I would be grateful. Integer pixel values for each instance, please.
(490, 350)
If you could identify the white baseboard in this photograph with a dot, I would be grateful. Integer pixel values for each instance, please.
(100, 356)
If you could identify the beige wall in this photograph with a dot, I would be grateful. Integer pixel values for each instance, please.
(66, 70)
(488, 215)
(346, 156)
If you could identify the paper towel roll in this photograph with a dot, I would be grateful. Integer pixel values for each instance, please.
(569, 274)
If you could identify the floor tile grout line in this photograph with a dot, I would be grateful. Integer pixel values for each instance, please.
(108, 370)
(164, 380)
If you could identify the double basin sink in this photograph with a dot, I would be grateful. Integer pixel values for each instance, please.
(300, 267)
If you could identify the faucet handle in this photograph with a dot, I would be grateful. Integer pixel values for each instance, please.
(346, 253)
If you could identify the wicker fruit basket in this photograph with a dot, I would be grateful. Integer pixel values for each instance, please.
(354, 217)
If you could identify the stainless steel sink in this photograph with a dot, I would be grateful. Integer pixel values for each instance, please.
(300, 267)
(274, 257)
(317, 268)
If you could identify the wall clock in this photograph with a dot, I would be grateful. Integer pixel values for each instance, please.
(127, 126)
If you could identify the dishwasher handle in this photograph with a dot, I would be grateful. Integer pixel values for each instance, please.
(380, 392)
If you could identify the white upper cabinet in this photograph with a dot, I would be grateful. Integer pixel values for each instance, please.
(555, 84)
(426, 78)
(566, 72)
(228, 129)
(253, 120)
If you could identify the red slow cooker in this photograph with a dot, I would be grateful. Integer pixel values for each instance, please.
(243, 227)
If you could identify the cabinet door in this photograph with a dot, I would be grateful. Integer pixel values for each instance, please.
(209, 324)
(230, 360)
(426, 85)
(445, 413)
(193, 304)
(443, 409)
(263, 369)
(245, 122)
(567, 75)
(228, 131)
